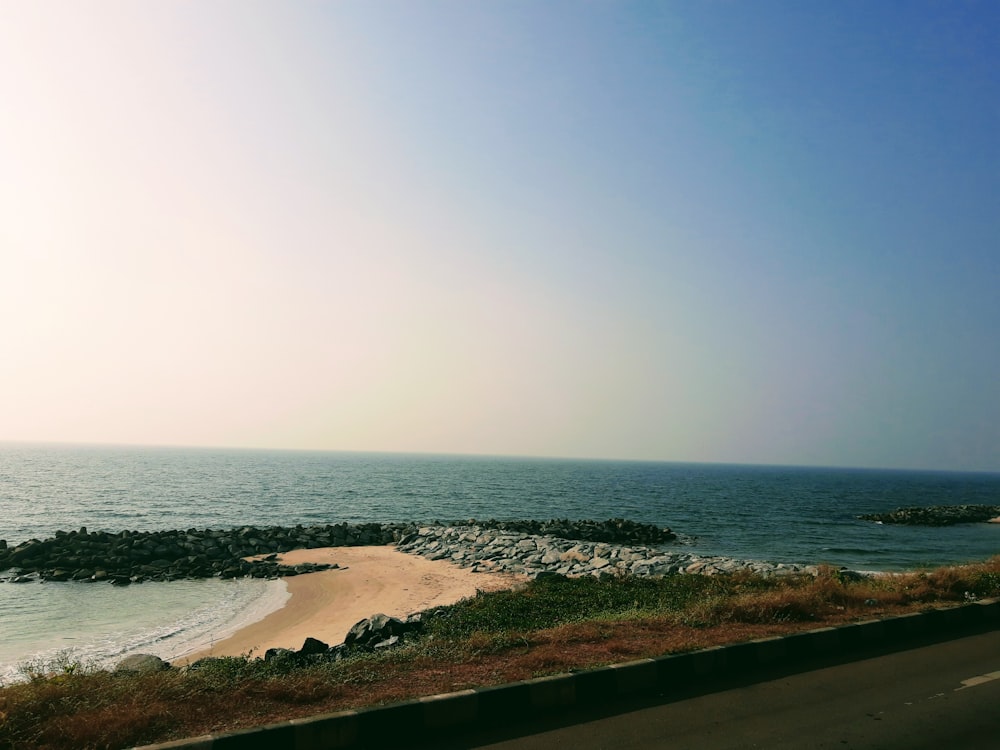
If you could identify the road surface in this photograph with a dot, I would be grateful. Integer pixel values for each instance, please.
(942, 696)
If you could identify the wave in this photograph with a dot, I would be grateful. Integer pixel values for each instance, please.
(229, 606)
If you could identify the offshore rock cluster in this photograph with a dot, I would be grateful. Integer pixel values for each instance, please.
(936, 515)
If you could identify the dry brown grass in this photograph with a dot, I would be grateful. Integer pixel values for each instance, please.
(106, 710)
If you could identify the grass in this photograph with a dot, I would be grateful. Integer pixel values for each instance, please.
(548, 627)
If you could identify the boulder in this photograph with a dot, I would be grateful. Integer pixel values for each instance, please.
(277, 654)
(313, 646)
(387, 643)
(376, 629)
(142, 664)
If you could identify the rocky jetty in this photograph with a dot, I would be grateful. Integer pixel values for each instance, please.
(560, 546)
(614, 530)
(134, 556)
(492, 549)
(936, 515)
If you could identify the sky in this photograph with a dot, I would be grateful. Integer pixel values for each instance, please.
(741, 232)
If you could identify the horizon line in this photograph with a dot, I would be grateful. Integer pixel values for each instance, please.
(511, 456)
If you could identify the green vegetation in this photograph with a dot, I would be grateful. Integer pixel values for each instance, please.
(549, 626)
(550, 602)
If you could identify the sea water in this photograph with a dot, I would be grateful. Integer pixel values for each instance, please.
(780, 514)
(52, 624)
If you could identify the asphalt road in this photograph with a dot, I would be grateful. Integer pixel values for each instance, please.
(941, 696)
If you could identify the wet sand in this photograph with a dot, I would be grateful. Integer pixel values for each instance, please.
(326, 604)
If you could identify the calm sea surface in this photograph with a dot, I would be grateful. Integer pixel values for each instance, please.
(779, 514)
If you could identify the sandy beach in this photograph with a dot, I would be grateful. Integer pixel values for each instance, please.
(325, 605)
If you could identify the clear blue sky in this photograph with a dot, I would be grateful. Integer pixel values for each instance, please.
(763, 232)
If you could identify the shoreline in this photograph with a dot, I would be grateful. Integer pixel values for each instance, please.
(369, 580)
(338, 575)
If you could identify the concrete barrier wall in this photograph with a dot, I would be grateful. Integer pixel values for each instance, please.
(422, 719)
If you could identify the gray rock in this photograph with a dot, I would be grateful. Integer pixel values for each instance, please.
(387, 643)
(142, 664)
(313, 646)
(373, 629)
(503, 550)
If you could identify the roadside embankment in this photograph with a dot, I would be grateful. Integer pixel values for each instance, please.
(434, 718)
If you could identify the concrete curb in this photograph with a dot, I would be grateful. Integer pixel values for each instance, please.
(422, 719)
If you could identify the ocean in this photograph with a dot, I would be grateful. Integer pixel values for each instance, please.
(779, 514)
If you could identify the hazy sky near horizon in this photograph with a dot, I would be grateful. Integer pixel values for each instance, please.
(763, 232)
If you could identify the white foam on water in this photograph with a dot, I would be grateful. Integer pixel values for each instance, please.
(202, 635)
(97, 626)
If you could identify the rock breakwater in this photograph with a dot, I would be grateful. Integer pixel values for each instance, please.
(133, 556)
(497, 550)
(614, 530)
(563, 547)
(936, 515)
